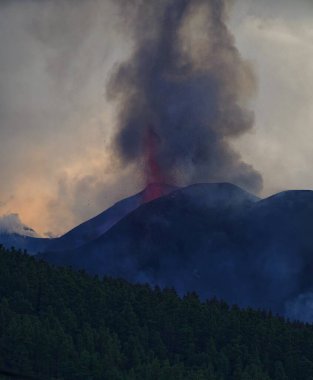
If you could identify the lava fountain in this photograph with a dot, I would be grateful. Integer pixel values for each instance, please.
(155, 179)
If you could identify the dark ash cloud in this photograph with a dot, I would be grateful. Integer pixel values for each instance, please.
(186, 84)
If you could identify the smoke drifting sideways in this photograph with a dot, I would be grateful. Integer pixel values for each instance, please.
(181, 95)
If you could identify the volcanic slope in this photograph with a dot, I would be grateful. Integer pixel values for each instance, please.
(97, 226)
(215, 239)
(88, 230)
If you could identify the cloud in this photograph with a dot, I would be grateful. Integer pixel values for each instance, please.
(12, 223)
(277, 38)
(54, 63)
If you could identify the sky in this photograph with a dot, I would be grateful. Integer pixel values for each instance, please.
(58, 165)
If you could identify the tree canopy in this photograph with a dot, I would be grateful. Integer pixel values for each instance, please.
(56, 323)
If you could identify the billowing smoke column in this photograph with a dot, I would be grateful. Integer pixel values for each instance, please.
(181, 94)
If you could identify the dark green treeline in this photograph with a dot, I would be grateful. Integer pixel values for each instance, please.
(56, 323)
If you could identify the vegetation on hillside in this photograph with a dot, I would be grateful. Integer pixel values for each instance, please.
(56, 323)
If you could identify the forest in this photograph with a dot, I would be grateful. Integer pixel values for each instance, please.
(57, 323)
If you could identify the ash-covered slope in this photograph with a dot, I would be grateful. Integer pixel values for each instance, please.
(97, 226)
(87, 231)
(215, 239)
(167, 240)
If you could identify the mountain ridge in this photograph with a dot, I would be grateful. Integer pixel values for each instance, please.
(87, 230)
(247, 251)
(212, 238)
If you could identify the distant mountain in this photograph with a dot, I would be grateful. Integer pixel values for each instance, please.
(30, 244)
(215, 239)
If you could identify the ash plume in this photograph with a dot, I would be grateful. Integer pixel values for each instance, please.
(185, 85)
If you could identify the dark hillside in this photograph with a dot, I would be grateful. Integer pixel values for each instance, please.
(216, 240)
(59, 324)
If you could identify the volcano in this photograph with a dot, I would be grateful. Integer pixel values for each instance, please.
(215, 239)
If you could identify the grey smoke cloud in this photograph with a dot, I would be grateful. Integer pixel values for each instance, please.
(187, 83)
